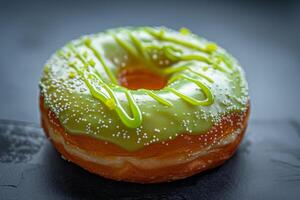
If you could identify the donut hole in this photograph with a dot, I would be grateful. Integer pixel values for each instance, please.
(140, 78)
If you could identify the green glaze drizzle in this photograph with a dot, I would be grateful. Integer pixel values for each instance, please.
(158, 98)
(205, 82)
(135, 46)
(139, 46)
(172, 70)
(201, 75)
(88, 44)
(211, 47)
(111, 101)
(207, 92)
(125, 45)
(131, 122)
(227, 61)
(176, 55)
(172, 53)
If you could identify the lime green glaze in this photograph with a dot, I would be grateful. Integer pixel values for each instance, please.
(206, 91)
(158, 98)
(79, 85)
(88, 44)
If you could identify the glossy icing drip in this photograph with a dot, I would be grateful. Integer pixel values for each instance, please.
(88, 44)
(158, 99)
(209, 97)
(210, 47)
(188, 62)
(110, 100)
(140, 52)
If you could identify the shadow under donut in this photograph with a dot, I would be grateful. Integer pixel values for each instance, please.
(67, 178)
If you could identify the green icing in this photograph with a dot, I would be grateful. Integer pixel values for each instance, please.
(205, 82)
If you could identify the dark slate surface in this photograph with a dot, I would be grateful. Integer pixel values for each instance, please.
(266, 166)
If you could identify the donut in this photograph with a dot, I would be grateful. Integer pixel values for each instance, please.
(144, 104)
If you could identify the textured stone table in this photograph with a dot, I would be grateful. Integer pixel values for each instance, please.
(266, 166)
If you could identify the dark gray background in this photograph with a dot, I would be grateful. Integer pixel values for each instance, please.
(264, 36)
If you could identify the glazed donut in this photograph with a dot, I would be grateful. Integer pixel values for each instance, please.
(145, 104)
